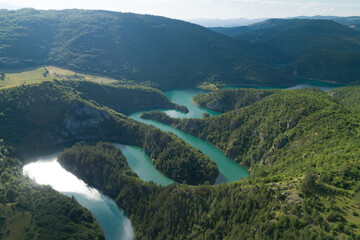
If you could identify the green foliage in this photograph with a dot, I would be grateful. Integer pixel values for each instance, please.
(308, 185)
(252, 133)
(215, 212)
(227, 100)
(320, 49)
(102, 165)
(47, 213)
(283, 136)
(337, 66)
(185, 212)
(348, 96)
(121, 98)
(280, 134)
(169, 53)
(230, 31)
(297, 36)
(72, 111)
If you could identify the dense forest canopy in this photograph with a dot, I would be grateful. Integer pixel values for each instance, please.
(316, 48)
(301, 143)
(301, 146)
(30, 211)
(42, 115)
(169, 53)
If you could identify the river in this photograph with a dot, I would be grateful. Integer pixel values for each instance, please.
(46, 170)
(116, 226)
(229, 170)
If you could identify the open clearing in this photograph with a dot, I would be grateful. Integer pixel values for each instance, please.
(48, 73)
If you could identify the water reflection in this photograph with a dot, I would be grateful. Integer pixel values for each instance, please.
(47, 171)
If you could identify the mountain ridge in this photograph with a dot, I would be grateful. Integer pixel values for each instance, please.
(169, 53)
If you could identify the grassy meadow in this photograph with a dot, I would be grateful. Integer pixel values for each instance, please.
(41, 74)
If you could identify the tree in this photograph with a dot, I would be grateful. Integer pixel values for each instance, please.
(11, 195)
(308, 185)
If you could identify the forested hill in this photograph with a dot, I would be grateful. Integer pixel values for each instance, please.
(169, 53)
(31, 211)
(264, 124)
(349, 96)
(301, 146)
(281, 136)
(39, 116)
(320, 49)
(297, 36)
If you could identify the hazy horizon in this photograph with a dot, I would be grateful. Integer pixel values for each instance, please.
(203, 9)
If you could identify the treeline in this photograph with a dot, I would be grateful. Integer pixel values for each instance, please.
(306, 187)
(121, 98)
(301, 140)
(252, 208)
(348, 96)
(317, 49)
(30, 211)
(162, 52)
(265, 123)
(39, 116)
(227, 100)
(101, 165)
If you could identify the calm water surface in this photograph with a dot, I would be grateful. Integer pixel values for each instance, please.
(116, 226)
(230, 171)
(140, 162)
(47, 171)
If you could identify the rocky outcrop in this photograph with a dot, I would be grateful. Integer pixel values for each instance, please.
(81, 122)
(82, 117)
(291, 124)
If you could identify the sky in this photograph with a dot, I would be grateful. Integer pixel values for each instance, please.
(213, 9)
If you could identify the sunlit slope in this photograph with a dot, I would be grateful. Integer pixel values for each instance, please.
(13, 78)
(301, 146)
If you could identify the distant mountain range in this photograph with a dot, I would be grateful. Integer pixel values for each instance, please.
(318, 49)
(353, 22)
(208, 22)
(167, 53)
(237, 22)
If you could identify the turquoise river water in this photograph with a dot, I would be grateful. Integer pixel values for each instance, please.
(111, 218)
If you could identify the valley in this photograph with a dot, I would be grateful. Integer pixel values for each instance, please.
(231, 170)
(129, 126)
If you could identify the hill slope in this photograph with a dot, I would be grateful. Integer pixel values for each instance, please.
(169, 53)
(305, 171)
(298, 36)
(40, 116)
(320, 49)
(30, 211)
(352, 22)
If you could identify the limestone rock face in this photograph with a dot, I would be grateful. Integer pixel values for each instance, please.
(81, 122)
(291, 124)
